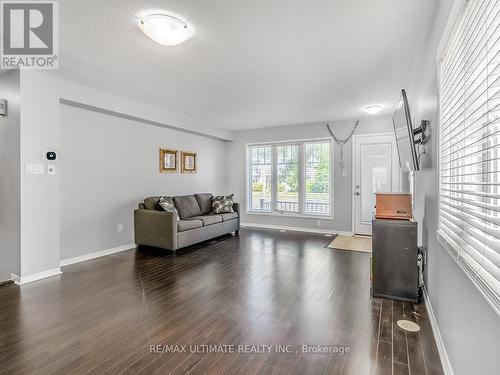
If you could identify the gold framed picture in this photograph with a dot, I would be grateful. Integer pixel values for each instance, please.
(168, 160)
(188, 162)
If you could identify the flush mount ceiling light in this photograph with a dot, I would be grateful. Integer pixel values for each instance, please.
(373, 109)
(165, 29)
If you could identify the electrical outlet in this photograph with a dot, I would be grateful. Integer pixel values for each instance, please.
(119, 227)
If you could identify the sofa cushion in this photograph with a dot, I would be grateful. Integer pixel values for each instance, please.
(166, 204)
(187, 206)
(222, 204)
(205, 202)
(229, 216)
(183, 225)
(151, 203)
(208, 219)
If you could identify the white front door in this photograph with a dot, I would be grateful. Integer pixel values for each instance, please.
(376, 169)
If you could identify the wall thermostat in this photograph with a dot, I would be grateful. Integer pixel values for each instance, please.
(51, 155)
(3, 107)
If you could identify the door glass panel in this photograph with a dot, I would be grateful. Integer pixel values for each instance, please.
(376, 176)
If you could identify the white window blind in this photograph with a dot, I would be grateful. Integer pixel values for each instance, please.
(469, 212)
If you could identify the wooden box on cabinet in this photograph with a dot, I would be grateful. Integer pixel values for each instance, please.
(393, 206)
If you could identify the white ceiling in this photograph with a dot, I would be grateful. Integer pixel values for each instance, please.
(250, 63)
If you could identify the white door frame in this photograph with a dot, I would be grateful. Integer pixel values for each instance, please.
(354, 171)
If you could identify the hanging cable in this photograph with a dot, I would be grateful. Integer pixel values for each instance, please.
(341, 143)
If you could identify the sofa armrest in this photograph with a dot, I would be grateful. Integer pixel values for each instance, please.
(236, 208)
(155, 228)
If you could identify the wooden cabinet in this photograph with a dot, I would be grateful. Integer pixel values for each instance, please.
(394, 260)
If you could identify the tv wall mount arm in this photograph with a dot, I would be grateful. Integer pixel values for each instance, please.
(421, 134)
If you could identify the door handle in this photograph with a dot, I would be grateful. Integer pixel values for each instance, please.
(356, 193)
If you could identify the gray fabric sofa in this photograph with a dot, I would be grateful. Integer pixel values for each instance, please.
(158, 228)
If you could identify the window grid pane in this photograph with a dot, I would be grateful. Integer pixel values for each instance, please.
(288, 178)
(317, 178)
(260, 178)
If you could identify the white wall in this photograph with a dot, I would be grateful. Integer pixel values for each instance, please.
(342, 185)
(40, 221)
(10, 204)
(469, 327)
(41, 93)
(110, 164)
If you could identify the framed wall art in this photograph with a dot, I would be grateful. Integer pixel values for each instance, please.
(188, 162)
(168, 160)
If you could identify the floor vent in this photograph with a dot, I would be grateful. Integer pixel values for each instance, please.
(408, 326)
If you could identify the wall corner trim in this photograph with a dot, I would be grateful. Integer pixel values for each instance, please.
(443, 355)
(97, 254)
(295, 229)
(35, 276)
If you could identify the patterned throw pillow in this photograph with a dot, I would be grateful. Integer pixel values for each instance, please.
(167, 205)
(222, 204)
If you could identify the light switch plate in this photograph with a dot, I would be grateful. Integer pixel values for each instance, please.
(3, 107)
(34, 169)
(51, 169)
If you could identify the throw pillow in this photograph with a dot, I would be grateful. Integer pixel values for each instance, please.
(167, 205)
(222, 204)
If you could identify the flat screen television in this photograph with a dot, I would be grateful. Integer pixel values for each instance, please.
(403, 130)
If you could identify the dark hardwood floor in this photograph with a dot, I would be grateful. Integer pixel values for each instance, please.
(261, 288)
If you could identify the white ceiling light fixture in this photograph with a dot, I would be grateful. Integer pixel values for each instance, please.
(165, 29)
(372, 109)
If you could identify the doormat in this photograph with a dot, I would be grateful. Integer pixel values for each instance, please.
(352, 243)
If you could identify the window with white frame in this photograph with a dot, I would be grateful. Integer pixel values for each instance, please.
(287, 173)
(290, 178)
(260, 178)
(469, 187)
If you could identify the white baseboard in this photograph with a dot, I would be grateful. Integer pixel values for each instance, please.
(97, 254)
(21, 280)
(443, 355)
(295, 229)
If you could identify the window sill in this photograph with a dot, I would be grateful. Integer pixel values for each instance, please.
(292, 215)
